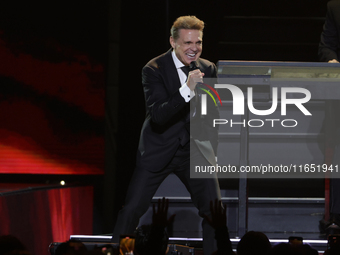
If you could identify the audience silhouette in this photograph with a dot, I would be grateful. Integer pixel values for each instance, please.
(153, 239)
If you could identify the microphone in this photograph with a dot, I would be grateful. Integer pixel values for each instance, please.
(193, 66)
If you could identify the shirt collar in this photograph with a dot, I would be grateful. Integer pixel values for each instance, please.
(177, 62)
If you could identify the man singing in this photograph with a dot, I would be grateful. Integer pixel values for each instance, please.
(166, 144)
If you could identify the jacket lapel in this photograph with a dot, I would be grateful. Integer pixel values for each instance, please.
(170, 73)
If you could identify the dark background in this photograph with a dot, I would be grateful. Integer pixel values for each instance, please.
(123, 36)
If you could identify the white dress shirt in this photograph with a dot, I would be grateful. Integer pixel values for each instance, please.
(184, 90)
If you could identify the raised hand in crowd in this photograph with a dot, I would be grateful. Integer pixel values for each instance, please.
(218, 215)
(218, 221)
(160, 215)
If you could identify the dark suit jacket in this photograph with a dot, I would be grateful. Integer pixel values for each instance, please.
(329, 46)
(166, 111)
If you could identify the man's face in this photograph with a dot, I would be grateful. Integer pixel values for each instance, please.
(188, 47)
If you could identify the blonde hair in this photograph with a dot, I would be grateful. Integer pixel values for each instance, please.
(186, 22)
